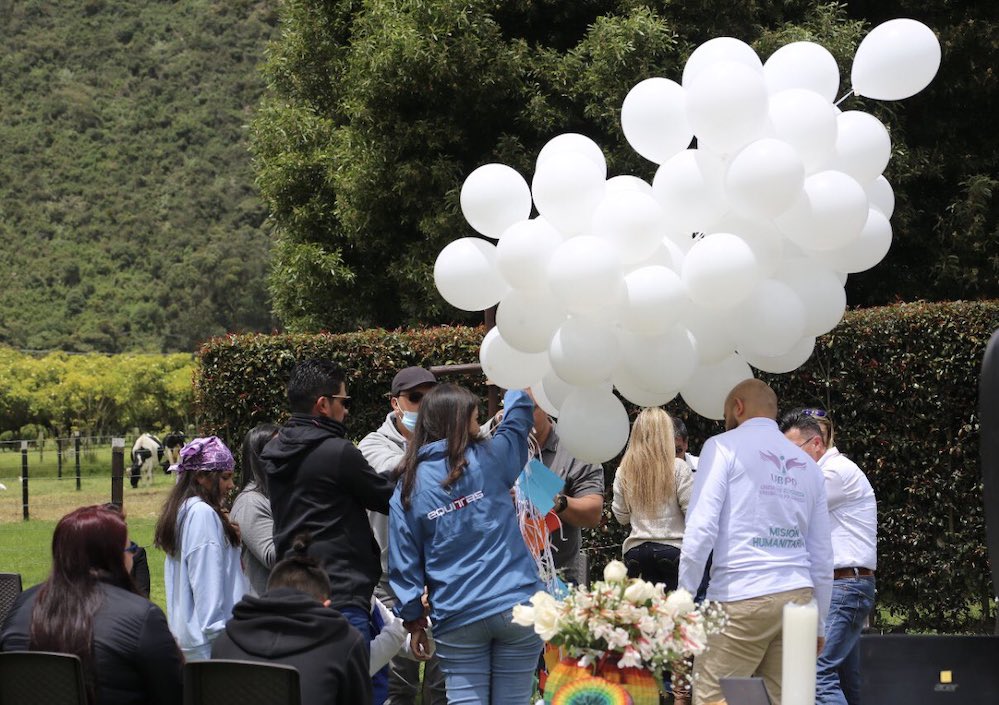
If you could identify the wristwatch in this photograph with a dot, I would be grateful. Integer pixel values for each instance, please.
(561, 502)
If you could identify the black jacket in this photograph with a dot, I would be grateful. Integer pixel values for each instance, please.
(320, 483)
(136, 658)
(291, 628)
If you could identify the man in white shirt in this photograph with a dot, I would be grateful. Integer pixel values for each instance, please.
(680, 441)
(853, 516)
(759, 503)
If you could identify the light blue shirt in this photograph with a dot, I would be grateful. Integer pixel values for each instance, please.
(203, 581)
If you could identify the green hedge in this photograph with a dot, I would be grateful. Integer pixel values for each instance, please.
(901, 382)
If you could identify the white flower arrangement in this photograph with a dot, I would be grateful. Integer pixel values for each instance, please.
(632, 620)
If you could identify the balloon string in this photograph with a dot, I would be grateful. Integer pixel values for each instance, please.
(848, 94)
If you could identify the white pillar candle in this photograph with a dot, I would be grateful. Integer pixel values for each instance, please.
(801, 625)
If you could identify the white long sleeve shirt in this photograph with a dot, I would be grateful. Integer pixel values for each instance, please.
(853, 512)
(759, 503)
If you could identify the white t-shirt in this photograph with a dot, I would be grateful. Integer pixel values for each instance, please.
(759, 503)
(853, 512)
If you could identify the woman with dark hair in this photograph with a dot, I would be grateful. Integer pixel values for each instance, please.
(251, 510)
(89, 607)
(203, 575)
(454, 530)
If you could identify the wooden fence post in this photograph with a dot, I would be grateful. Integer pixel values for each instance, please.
(118, 471)
(76, 453)
(24, 478)
(59, 456)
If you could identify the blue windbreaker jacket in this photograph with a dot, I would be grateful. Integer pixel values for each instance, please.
(465, 543)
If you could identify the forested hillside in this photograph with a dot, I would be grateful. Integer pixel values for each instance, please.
(128, 216)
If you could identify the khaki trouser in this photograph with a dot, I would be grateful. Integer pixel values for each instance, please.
(749, 646)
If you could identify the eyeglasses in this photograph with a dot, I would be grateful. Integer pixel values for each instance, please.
(344, 399)
(132, 548)
(414, 397)
(806, 441)
(815, 413)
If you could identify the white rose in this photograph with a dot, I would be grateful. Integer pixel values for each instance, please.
(640, 592)
(523, 615)
(615, 572)
(680, 602)
(546, 615)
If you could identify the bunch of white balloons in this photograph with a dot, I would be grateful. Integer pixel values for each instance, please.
(735, 256)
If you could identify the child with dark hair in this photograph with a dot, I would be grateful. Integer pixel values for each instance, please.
(292, 624)
(89, 607)
(203, 575)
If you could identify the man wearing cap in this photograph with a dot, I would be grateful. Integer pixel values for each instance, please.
(383, 449)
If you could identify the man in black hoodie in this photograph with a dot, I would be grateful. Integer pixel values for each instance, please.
(320, 483)
(292, 624)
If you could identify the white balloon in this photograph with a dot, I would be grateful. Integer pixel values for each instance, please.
(583, 272)
(710, 334)
(654, 119)
(896, 60)
(567, 187)
(584, 352)
(762, 236)
(572, 142)
(668, 255)
(819, 289)
(593, 425)
(466, 276)
(493, 198)
(509, 368)
(830, 213)
(802, 65)
(527, 320)
(882, 197)
(690, 190)
(720, 271)
(631, 389)
(627, 182)
(807, 122)
(764, 178)
(788, 362)
(556, 389)
(716, 50)
(660, 364)
(727, 106)
(866, 251)
(523, 252)
(709, 386)
(770, 322)
(633, 221)
(863, 146)
(656, 300)
(541, 399)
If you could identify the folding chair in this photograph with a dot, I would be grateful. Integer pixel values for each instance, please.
(10, 588)
(41, 678)
(223, 682)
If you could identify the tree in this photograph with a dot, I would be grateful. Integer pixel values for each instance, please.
(375, 114)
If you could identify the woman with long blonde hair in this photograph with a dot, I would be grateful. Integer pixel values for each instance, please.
(651, 492)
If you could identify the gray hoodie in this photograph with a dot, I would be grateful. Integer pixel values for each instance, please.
(383, 449)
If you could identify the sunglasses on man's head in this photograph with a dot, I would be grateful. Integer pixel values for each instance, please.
(816, 413)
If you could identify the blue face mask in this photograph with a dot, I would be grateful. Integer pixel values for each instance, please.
(409, 420)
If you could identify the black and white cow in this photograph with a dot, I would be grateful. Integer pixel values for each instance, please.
(146, 447)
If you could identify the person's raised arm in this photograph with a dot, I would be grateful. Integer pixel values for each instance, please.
(510, 437)
(371, 489)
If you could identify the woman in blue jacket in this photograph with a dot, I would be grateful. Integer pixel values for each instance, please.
(454, 530)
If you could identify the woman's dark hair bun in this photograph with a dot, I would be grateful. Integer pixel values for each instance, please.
(300, 544)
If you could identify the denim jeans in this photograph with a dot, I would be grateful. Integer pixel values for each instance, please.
(654, 563)
(489, 662)
(837, 680)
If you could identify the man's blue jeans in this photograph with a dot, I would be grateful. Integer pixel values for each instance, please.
(837, 680)
(489, 662)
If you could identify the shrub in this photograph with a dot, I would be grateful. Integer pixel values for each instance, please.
(900, 382)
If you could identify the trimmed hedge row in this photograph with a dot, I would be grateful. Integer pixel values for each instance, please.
(900, 381)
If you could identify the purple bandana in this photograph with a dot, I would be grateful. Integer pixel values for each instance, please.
(205, 454)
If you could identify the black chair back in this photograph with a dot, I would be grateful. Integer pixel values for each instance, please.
(10, 588)
(41, 678)
(222, 682)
